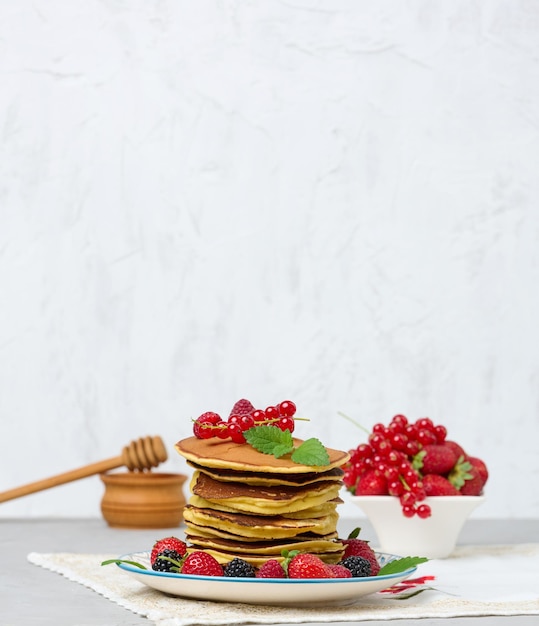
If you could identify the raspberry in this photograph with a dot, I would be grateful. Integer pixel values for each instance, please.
(202, 564)
(359, 547)
(168, 543)
(339, 571)
(238, 568)
(164, 565)
(306, 565)
(271, 569)
(359, 566)
(242, 407)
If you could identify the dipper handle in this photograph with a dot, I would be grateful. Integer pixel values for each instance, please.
(140, 454)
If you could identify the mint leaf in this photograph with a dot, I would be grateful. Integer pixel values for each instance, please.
(271, 439)
(311, 452)
(401, 565)
(281, 449)
(268, 439)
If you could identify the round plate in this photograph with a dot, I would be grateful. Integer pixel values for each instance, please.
(274, 591)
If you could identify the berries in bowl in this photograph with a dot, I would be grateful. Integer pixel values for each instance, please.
(416, 486)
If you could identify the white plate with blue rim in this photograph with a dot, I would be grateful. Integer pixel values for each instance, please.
(270, 591)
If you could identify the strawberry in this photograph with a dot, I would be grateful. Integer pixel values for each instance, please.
(339, 571)
(358, 547)
(457, 448)
(436, 485)
(271, 569)
(480, 466)
(372, 483)
(202, 564)
(305, 565)
(168, 543)
(242, 407)
(435, 459)
(473, 486)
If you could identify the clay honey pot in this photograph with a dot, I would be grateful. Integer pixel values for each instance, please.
(143, 499)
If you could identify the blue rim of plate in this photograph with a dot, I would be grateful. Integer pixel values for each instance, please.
(382, 557)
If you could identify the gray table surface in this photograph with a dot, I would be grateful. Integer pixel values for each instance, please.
(31, 595)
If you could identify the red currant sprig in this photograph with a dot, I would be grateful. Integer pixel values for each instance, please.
(210, 424)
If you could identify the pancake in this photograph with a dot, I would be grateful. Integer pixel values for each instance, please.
(274, 500)
(220, 523)
(268, 548)
(261, 479)
(223, 453)
(316, 511)
(223, 556)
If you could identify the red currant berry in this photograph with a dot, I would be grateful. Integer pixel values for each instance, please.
(286, 423)
(392, 474)
(424, 422)
(246, 422)
(363, 451)
(287, 408)
(272, 413)
(412, 448)
(440, 432)
(222, 431)
(399, 441)
(424, 511)
(349, 479)
(379, 442)
(234, 419)
(380, 429)
(408, 510)
(395, 488)
(236, 433)
(393, 458)
(204, 430)
(411, 431)
(400, 419)
(410, 476)
(203, 427)
(426, 437)
(259, 416)
(408, 498)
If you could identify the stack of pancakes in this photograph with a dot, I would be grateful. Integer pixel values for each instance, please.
(251, 505)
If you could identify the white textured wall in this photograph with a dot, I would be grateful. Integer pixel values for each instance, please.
(334, 202)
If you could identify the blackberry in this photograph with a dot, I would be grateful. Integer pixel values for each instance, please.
(163, 565)
(359, 566)
(238, 568)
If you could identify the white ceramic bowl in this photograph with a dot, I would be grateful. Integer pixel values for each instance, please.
(434, 537)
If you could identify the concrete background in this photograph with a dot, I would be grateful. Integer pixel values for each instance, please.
(334, 202)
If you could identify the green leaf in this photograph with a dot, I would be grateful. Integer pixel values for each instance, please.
(281, 449)
(417, 460)
(311, 452)
(134, 563)
(355, 533)
(401, 565)
(460, 473)
(269, 438)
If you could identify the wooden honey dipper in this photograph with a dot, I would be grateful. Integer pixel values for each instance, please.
(140, 454)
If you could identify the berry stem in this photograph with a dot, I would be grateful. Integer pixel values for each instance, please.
(353, 422)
